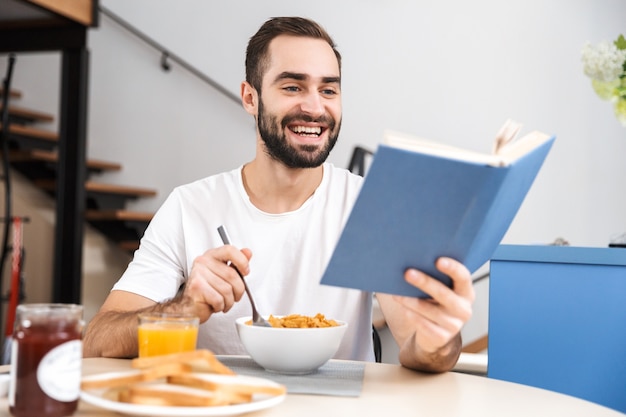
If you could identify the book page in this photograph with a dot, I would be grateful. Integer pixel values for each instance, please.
(507, 153)
(507, 134)
(515, 150)
(412, 143)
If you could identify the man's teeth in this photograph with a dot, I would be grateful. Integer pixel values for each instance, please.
(307, 130)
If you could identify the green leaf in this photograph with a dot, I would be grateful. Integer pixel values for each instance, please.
(620, 43)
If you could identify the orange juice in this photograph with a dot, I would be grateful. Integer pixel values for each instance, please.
(160, 336)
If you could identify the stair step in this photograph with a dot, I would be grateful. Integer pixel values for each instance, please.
(118, 215)
(120, 225)
(102, 188)
(27, 115)
(47, 138)
(38, 155)
(12, 93)
(33, 152)
(100, 196)
(129, 245)
(97, 187)
(32, 132)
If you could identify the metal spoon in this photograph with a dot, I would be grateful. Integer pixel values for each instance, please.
(257, 319)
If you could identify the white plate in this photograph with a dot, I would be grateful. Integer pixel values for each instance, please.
(259, 402)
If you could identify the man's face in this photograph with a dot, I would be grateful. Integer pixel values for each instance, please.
(299, 109)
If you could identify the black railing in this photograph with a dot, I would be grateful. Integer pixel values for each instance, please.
(167, 55)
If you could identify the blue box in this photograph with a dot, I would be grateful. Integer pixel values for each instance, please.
(557, 320)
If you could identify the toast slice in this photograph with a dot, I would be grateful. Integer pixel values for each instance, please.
(187, 379)
(227, 383)
(118, 379)
(201, 360)
(178, 396)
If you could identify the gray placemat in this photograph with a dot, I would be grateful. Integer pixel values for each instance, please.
(337, 378)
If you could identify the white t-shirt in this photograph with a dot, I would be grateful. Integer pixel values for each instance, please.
(289, 255)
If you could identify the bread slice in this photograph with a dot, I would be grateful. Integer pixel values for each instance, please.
(118, 379)
(178, 396)
(187, 379)
(201, 360)
(227, 383)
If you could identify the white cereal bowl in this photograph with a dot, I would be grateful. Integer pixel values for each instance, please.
(288, 350)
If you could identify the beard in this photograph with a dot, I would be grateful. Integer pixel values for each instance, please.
(300, 156)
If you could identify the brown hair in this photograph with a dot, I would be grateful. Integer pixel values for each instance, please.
(257, 56)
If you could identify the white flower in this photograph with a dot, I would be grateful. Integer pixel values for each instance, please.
(603, 62)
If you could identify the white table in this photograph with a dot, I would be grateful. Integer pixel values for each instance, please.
(393, 390)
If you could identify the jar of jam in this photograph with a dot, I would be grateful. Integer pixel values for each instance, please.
(46, 359)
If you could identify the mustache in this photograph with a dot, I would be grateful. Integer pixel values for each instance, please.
(305, 118)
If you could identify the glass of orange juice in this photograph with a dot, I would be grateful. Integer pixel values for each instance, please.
(163, 333)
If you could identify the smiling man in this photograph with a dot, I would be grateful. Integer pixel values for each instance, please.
(314, 123)
(287, 207)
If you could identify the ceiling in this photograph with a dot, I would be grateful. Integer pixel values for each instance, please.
(26, 13)
(18, 13)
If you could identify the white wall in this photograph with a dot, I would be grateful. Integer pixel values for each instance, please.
(449, 70)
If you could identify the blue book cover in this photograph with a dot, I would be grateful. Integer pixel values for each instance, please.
(415, 207)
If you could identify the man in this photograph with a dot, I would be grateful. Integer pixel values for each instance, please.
(288, 207)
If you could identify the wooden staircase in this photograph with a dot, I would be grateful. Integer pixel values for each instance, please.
(33, 153)
(60, 26)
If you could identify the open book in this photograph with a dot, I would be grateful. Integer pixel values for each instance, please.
(421, 200)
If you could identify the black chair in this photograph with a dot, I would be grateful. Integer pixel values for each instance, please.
(359, 160)
(358, 165)
(378, 348)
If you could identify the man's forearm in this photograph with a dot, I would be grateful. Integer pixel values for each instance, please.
(442, 360)
(111, 334)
